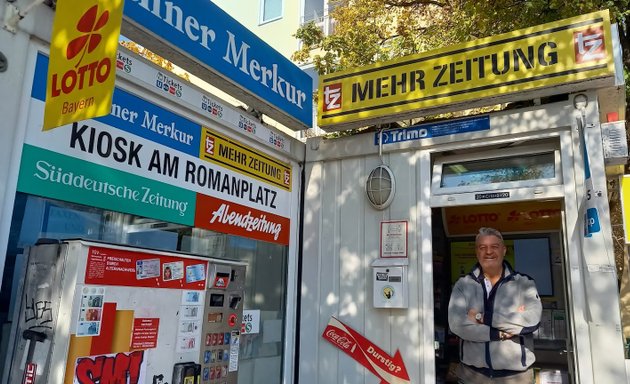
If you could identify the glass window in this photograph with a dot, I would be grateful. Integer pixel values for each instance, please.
(313, 10)
(271, 10)
(265, 284)
(498, 170)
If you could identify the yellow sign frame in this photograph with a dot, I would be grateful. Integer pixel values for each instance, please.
(550, 55)
(224, 151)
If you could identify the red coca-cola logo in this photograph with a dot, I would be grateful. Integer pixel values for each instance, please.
(342, 341)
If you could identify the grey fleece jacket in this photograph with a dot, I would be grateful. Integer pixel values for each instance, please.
(481, 346)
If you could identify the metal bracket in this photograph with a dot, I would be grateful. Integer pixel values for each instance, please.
(11, 17)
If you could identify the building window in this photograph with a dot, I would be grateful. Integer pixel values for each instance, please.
(313, 11)
(522, 165)
(270, 10)
(487, 171)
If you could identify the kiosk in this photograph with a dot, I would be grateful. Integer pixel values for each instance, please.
(536, 169)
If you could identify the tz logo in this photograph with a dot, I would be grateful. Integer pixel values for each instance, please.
(287, 178)
(589, 45)
(332, 97)
(209, 145)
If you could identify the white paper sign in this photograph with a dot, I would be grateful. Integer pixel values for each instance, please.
(251, 322)
(394, 239)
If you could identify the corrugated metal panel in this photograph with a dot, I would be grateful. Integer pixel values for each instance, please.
(341, 239)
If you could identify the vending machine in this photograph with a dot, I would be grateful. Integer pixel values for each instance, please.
(96, 313)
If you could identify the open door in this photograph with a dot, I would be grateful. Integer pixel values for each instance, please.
(537, 253)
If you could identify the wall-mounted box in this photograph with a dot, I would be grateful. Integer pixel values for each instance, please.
(389, 280)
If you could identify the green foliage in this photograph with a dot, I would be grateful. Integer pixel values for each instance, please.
(370, 31)
(153, 57)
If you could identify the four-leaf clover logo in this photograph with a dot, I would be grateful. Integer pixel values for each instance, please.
(89, 25)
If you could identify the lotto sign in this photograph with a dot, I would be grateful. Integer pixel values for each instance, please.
(544, 58)
(82, 69)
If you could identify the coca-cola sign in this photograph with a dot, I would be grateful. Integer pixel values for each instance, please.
(390, 369)
(340, 339)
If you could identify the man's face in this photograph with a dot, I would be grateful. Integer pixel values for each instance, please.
(490, 252)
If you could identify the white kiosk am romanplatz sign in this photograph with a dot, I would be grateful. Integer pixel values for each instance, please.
(146, 160)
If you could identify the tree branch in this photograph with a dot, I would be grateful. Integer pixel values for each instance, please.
(412, 3)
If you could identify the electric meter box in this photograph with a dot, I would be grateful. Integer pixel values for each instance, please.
(390, 283)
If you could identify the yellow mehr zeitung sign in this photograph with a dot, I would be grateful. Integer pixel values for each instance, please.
(227, 152)
(553, 54)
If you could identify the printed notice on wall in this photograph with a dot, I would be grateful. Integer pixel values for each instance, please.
(235, 342)
(393, 239)
(145, 333)
(90, 311)
(251, 322)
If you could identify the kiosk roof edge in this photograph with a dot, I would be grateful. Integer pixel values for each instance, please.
(200, 37)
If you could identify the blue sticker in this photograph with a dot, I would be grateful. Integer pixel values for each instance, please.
(424, 131)
(591, 222)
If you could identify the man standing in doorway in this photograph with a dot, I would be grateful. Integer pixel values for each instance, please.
(494, 310)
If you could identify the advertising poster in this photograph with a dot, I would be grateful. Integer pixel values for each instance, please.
(141, 329)
(389, 369)
(107, 266)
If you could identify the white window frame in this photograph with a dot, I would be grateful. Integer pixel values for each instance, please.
(261, 14)
(437, 189)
